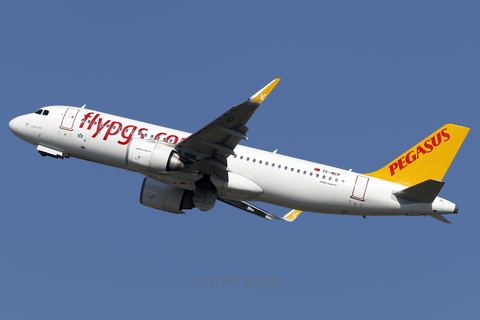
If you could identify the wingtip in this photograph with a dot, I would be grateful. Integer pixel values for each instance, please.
(292, 215)
(265, 91)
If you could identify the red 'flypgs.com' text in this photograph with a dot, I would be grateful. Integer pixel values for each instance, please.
(111, 128)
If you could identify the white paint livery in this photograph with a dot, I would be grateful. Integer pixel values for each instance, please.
(185, 170)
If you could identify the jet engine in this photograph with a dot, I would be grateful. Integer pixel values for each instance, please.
(205, 194)
(164, 197)
(151, 156)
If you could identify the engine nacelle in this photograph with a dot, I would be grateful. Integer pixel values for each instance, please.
(151, 156)
(163, 197)
(205, 194)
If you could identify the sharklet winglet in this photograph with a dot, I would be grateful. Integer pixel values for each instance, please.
(265, 91)
(292, 215)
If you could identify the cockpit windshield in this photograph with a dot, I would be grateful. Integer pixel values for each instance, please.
(42, 112)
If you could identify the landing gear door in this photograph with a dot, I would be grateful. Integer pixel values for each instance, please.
(360, 188)
(69, 118)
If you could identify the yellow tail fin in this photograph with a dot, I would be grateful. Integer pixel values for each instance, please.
(429, 159)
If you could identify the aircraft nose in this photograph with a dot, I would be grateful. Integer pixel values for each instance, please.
(13, 125)
(17, 126)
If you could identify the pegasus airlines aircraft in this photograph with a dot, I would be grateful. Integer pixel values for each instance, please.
(184, 170)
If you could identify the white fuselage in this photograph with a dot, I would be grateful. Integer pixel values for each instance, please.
(284, 181)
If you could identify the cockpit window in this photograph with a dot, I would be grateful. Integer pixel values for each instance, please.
(39, 111)
(45, 112)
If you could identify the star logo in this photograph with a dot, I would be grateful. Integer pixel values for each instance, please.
(80, 135)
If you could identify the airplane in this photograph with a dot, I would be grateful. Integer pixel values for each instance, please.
(183, 171)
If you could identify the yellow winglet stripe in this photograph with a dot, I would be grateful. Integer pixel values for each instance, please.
(428, 159)
(292, 215)
(265, 91)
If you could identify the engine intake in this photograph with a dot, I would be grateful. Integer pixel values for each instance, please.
(164, 197)
(152, 156)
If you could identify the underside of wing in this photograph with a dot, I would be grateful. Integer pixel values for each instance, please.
(250, 208)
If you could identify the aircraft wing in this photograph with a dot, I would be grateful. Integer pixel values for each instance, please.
(208, 148)
(250, 208)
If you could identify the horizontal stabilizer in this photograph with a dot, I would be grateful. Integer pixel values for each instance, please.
(439, 217)
(425, 191)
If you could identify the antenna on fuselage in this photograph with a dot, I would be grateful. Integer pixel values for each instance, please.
(83, 106)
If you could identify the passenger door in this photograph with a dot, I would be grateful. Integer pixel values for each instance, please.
(360, 188)
(69, 119)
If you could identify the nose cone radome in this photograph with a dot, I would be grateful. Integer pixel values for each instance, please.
(19, 127)
(14, 125)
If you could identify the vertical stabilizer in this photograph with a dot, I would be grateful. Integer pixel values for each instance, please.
(429, 159)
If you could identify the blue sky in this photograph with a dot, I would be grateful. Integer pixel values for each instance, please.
(361, 83)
